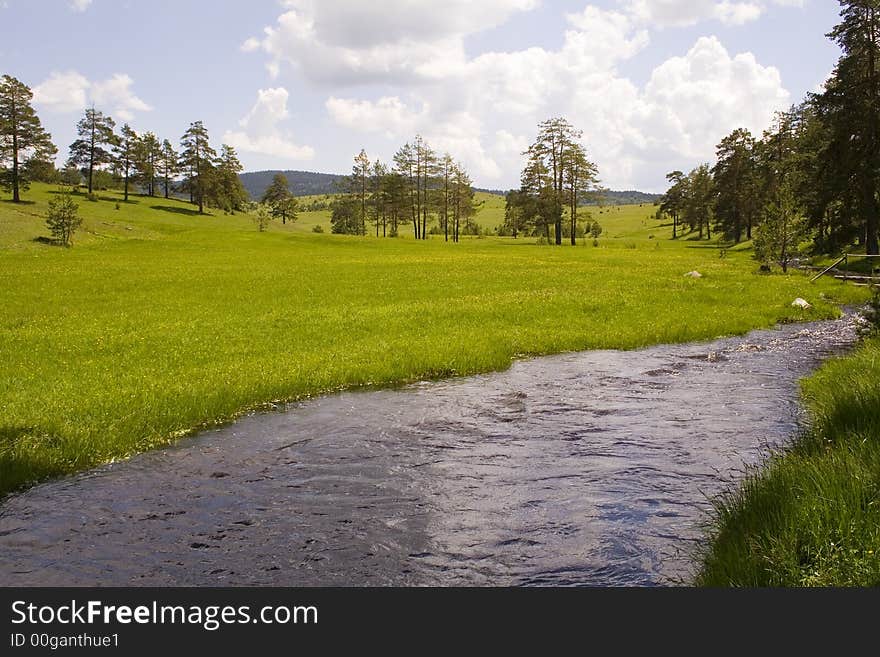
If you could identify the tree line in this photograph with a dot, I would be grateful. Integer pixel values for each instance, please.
(430, 192)
(811, 181)
(100, 157)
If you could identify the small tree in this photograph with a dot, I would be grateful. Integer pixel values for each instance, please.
(780, 238)
(262, 217)
(63, 219)
(279, 198)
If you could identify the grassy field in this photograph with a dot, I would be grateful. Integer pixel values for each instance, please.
(160, 322)
(811, 516)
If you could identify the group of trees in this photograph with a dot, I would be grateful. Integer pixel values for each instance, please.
(558, 177)
(151, 164)
(813, 179)
(100, 156)
(421, 188)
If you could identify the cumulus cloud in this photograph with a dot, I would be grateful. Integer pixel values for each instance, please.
(339, 41)
(71, 91)
(684, 13)
(80, 5)
(483, 109)
(260, 130)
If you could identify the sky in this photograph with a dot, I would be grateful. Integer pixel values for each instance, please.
(305, 84)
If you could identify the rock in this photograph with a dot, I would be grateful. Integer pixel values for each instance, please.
(801, 303)
(693, 274)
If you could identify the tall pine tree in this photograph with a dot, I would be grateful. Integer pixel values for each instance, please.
(196, 158)
(92, 149)
(22, 137)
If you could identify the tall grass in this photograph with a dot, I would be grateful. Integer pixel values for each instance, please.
(159, 321)
(811, 517)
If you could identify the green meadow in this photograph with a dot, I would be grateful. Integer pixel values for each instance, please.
(160, 322)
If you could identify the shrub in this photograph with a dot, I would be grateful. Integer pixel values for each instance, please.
(318, 229)
(63, 218)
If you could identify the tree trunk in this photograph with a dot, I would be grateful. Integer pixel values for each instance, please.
(16, 194)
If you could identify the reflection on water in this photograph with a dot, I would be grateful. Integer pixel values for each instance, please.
(582, 469)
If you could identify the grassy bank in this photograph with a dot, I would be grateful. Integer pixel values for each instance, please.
(160, 321)
(811, 516)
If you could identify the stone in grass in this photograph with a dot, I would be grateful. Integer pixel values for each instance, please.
(693, 274)
(802, 304)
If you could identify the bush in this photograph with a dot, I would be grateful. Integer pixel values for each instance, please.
(92, 197)
(63, 219)
(318, 229)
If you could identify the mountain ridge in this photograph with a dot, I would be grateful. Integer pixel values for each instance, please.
(313, 183)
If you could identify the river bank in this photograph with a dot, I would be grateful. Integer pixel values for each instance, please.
(811, 515)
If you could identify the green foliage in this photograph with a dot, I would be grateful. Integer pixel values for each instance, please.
(197, 162)
(345, 216)
(92, 148)
(24, 144)
(262, 216)
(281, 200)
(782, 236)
(71, 176)
(63, 218)
(318, 229)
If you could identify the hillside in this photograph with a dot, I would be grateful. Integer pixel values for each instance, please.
(302, 183)
(309, 183)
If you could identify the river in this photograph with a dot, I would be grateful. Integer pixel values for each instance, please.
(587, 469)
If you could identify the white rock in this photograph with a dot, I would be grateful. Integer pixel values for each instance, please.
(802, 304)
(693, 274)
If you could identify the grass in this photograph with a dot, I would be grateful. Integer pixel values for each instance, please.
(160, 322)
(811, 516)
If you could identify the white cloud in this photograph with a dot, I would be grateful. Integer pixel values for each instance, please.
(80, 5)
(116, 93)
(684, 13)
(63, 92)
(339, 41)
(71, 92)
(484, 109)
(261, 132)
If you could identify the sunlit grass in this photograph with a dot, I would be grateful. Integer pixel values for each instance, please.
(160, 321)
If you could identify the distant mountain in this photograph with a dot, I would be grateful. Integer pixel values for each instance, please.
(630, 197)
(309, 183)
(302, 183)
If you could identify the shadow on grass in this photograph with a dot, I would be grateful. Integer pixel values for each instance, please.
(175, 210)
(20, 463)
(48, 241)
(9, 201)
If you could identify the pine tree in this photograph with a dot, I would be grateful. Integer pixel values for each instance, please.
(280, 199)
(124, 151)
(360, 176)
(851, 104)
(227, 190)
(92, 149)
(735, 175)
(22, 137)
(148, 157)
(547, 155)
(196, 157)
(63, 218)
(168, 165)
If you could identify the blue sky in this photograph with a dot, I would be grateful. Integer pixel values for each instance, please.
(305, 84)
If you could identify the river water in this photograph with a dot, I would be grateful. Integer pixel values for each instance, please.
(593, 468)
